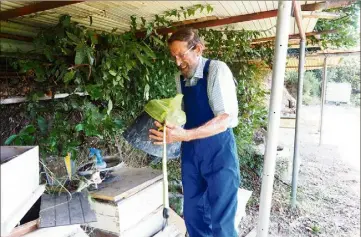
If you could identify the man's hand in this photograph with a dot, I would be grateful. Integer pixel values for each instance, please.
(173, 134)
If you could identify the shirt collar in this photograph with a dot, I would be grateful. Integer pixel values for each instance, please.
(200, 67)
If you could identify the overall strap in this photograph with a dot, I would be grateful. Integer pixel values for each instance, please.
(182, 82)
(206, 69)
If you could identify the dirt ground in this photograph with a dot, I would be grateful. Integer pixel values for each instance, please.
(328, 200)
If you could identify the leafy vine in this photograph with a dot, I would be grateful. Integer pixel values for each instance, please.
(120, 72)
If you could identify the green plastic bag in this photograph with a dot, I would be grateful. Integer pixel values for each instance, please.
(169, 110)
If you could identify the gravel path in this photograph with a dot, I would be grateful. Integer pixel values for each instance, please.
(328, 200)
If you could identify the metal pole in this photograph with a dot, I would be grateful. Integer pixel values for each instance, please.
(279, 67)
(323, 96)
(298, 118)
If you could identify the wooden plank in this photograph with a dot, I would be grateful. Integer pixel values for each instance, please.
(326, 5)
(169, 231)
(62, 216)
(293, 36)
(19, 184)
(247, 5)
(103, 233)
(148, 226)
(132, 180)
(59, 231)
(33, 8)
(88, 213)
(152, 224)
(105, 208)
(129, 211)
(320, 15)
(107, 223)
(107, 216)
(24, 229)
(134, 208)
(19, 99)
(47, 211)
(8, 224)
(15, 37)
(75, 211)
(251, 16)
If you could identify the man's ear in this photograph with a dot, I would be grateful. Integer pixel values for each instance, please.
(198, 49)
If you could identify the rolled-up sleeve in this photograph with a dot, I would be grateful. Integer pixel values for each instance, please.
(221, 91)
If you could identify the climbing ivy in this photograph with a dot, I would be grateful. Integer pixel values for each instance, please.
(234, 48)
(121, 72)
(347, 26)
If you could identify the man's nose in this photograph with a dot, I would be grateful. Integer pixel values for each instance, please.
(178, 61)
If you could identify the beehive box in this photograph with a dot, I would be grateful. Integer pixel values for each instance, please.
(288, 122)
(20, 187)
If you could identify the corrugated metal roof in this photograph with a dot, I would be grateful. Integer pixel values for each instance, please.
(108, 15)
(116, 14)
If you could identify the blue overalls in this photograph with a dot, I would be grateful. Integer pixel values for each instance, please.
(210, 170)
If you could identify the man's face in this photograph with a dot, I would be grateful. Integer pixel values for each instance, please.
(185, 57)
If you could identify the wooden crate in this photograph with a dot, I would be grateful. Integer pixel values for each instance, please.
(59, 231)
(123, 204)
(288, 122)
(151, 225)
(19, 183)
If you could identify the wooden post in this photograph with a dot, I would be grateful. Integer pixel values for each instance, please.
(323, 96)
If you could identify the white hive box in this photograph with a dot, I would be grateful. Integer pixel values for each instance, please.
(122, 207)
(20, 187)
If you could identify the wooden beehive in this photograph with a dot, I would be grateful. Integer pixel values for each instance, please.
(122, 205)
(20, 187)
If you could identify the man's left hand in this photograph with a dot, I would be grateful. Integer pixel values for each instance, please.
(173, 134)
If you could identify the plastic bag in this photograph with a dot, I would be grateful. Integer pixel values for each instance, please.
(169, 110)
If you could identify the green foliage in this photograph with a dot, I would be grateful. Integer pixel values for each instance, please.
(173, 167)
(315, 229)
(347, 71)
(347, 26)
(23, 138)
(251, 166)
(311, 85)
(121, 72)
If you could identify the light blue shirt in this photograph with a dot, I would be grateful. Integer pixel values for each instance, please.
(221, 88)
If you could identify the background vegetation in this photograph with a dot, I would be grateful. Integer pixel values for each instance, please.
(347, 71)
(121, 72)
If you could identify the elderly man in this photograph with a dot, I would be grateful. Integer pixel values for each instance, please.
(210, 168)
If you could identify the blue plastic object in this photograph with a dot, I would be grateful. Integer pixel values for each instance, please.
(100, 163)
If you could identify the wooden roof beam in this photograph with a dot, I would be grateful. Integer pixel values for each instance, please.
(255, 41)
(298, 18)
(16, 37)
(327, 5)
(252, 16)
(335, 54)
(34, 8)
(295, 36)
(320, 15)
(217, 22)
